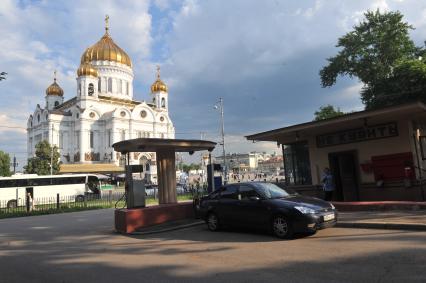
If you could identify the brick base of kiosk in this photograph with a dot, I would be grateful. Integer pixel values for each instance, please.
(130, 220)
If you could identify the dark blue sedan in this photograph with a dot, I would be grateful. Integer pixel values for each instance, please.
(265, 205)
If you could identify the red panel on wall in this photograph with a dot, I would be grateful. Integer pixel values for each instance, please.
(392, 167)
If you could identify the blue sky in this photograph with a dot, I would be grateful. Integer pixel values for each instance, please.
(262, 57)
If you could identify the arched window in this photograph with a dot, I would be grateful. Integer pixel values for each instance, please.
(99, 84)
(163, 102)
(147, 167)
(91, 89)
(56, 103)
(109, 84)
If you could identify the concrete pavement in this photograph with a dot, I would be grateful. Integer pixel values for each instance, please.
(81, 247)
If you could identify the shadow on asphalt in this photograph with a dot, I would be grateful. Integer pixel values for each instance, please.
(66, 251)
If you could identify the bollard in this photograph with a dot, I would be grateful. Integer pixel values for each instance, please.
(57, 201)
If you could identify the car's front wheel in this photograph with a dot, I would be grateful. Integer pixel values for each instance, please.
(212, 222)
(281, 227)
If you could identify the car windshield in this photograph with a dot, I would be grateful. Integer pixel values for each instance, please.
(269, 191)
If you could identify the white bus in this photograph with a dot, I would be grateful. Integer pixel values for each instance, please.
(14, 190)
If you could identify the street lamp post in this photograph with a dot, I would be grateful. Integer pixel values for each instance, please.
(220, 107)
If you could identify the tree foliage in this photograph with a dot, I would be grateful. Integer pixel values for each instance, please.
(326, 112)
(188, 167)
(40, 164)
(381, 54)
(4, 164)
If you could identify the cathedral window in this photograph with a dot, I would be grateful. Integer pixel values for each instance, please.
(56, 103)
(120, 86)
(109, 84)
(127, 88)
(143, 113)
(99, 84)
(109, 137)
(91, 89)
(163, 102)
(91, 139)
(77, 139)
(38, 118)
(147, 167)
(61, 140)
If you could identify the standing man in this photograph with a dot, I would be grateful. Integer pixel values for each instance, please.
(328, 184)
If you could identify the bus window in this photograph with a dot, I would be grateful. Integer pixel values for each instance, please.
(93, 184)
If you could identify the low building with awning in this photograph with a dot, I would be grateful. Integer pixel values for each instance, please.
(373, 154)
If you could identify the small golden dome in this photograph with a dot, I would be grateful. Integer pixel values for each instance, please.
(158, 85)
(106, 50)
(87, 69)
(54, 88)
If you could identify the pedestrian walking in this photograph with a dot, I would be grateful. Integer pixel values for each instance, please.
(328, 184)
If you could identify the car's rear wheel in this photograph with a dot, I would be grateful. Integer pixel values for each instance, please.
(212, 222)
(281, 227)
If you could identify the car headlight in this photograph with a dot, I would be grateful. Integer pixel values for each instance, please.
(332, 206)
(304, 209)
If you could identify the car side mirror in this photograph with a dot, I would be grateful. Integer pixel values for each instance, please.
(254, 198)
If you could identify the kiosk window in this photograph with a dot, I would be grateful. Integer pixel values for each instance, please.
(297, 164)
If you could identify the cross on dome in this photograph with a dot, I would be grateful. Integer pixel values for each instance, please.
(106, 23)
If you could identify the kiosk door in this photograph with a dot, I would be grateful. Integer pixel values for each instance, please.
(343, 167)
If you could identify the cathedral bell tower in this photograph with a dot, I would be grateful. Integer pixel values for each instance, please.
(87, 83)
(54, 95)
(159, 93)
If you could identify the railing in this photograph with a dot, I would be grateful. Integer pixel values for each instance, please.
(66, 203)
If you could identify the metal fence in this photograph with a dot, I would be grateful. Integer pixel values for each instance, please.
(65, 203)
(61, 203)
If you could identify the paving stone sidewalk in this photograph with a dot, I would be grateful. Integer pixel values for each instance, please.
(407, 219)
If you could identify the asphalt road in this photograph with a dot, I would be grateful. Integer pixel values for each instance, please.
(81, 247)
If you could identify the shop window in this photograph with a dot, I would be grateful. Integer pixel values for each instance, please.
(297, 164)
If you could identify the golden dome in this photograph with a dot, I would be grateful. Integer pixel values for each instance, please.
(158, 85)
(87, 69)
(106, 50)
(54, 88)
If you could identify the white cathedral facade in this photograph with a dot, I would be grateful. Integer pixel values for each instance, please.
(101, 113)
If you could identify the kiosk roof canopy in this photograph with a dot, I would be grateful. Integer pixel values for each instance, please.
(288, 134)
(155, 145)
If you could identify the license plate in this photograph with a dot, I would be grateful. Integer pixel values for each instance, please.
(328, 217)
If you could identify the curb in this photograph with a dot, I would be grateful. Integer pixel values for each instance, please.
(382, 225)
(154, 231)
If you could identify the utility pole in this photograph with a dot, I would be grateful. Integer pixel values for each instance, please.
(223, 139)
(51, 154)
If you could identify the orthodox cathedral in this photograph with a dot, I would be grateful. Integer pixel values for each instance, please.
(102, 112)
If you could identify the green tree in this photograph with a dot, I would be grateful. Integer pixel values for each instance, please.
(40, 164)
(327, 112)
(4, 164)
(378, 51)
(188, 167)
(407, 83)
